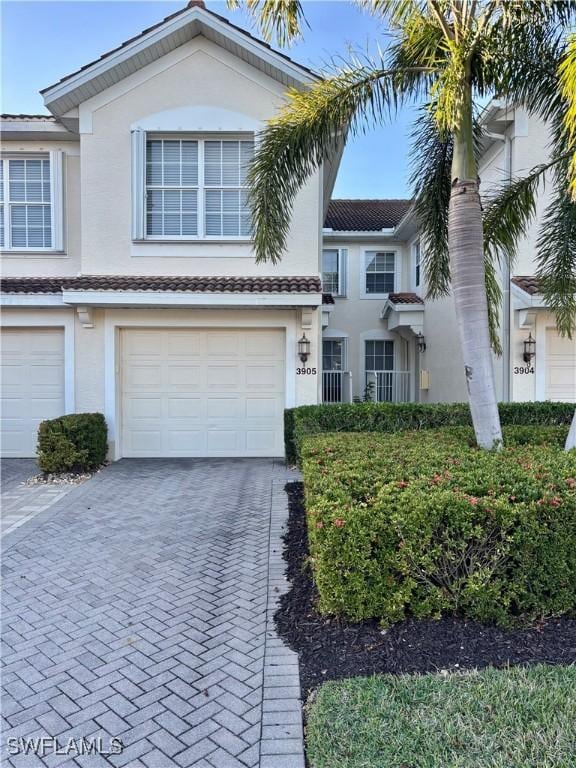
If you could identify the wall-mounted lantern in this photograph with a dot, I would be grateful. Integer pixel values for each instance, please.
(529, 348)
(303, 348)
(421, 341)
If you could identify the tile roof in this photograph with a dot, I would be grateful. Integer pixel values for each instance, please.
(297, 284)
(404, 298)
(365, 215)
(164, 21)
(27, 118)
(527, 283)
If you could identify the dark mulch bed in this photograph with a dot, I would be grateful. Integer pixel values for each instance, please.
(330, 649)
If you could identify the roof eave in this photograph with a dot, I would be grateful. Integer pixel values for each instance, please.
(132, 56)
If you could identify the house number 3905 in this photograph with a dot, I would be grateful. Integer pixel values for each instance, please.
(306, 371)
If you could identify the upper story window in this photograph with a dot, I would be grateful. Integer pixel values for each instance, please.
(417, 255)
(334, 271)
(30, 202)
(380, 272)
(197, 188)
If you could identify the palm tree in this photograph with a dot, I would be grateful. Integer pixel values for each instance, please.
(445, 56)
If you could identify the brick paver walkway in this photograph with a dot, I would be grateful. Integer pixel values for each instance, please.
(140, 607)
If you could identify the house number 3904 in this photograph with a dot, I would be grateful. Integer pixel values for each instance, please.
(306, 371)
(524, 369)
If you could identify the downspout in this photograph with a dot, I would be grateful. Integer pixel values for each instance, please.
(506, 276)
(506, 308)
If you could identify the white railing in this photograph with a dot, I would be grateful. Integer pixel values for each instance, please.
(336, 387)
(388, 386)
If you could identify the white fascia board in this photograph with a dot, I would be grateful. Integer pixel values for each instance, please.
(195, 14)
(391, 307)
(31, 300)
(365, 237)
(172, 299)
(523, 300)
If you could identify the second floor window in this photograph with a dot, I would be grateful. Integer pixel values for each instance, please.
(380, 272)
(197, 188)
(334, 271)
(417, 257)
(26, 203)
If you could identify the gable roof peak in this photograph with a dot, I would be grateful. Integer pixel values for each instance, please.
(161, 38)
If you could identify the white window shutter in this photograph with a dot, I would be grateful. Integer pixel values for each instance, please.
(138, 184)
(57, 185)
(343, 271)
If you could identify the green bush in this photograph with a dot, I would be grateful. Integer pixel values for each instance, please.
(392, 417)
(76, 442)
(423, 523)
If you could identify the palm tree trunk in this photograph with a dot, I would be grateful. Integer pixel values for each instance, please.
(571, 439)
(466, 247)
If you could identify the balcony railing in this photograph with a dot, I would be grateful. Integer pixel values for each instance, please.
(336, 387)
(388, 386)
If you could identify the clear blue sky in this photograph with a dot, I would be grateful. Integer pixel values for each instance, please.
(44, 40)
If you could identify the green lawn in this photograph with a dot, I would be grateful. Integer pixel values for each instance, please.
(516, 718)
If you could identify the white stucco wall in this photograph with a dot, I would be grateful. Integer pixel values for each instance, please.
(200, 75)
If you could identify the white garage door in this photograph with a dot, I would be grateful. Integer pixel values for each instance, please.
(32, 385)
(560, 367)
(202, 392)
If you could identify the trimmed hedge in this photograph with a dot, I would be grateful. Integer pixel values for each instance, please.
(392, 417)
(424, 523)
(77, 442)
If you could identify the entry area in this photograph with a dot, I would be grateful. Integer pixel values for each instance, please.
(32, 387)
(202, 392)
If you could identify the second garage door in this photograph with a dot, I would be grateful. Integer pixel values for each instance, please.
(32, 385)
(202, 392)
(560, 367)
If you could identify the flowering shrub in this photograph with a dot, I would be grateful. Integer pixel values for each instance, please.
(423, 523)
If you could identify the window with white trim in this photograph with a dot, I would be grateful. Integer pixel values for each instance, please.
(417, 255)
(378, 355)
(30, 202)
(332, 354)
(334, 271)
(197, 188)
(380, 269)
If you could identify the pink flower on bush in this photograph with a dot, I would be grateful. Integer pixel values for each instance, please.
(571, 482)
(339, 523)
(473, 500)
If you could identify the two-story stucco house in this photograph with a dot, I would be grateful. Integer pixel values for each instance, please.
(384, 334)
(129, 282)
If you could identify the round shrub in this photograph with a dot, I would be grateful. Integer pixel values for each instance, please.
(76, 442)
(423, 523)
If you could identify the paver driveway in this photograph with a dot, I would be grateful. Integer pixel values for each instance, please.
(141, 609)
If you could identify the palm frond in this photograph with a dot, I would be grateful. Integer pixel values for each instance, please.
(556, 252)
(279, 20)
(309, 128)
(567, 74)
(431, 161)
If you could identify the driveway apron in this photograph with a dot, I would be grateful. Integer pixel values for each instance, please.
(137, 615)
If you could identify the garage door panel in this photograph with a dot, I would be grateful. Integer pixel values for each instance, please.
(264, 377)
(185, 408)
(260, 440)
(560, 367)
(221, 393)
(222, 345)
(32, 385)
(223, 376)
(184, 376)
